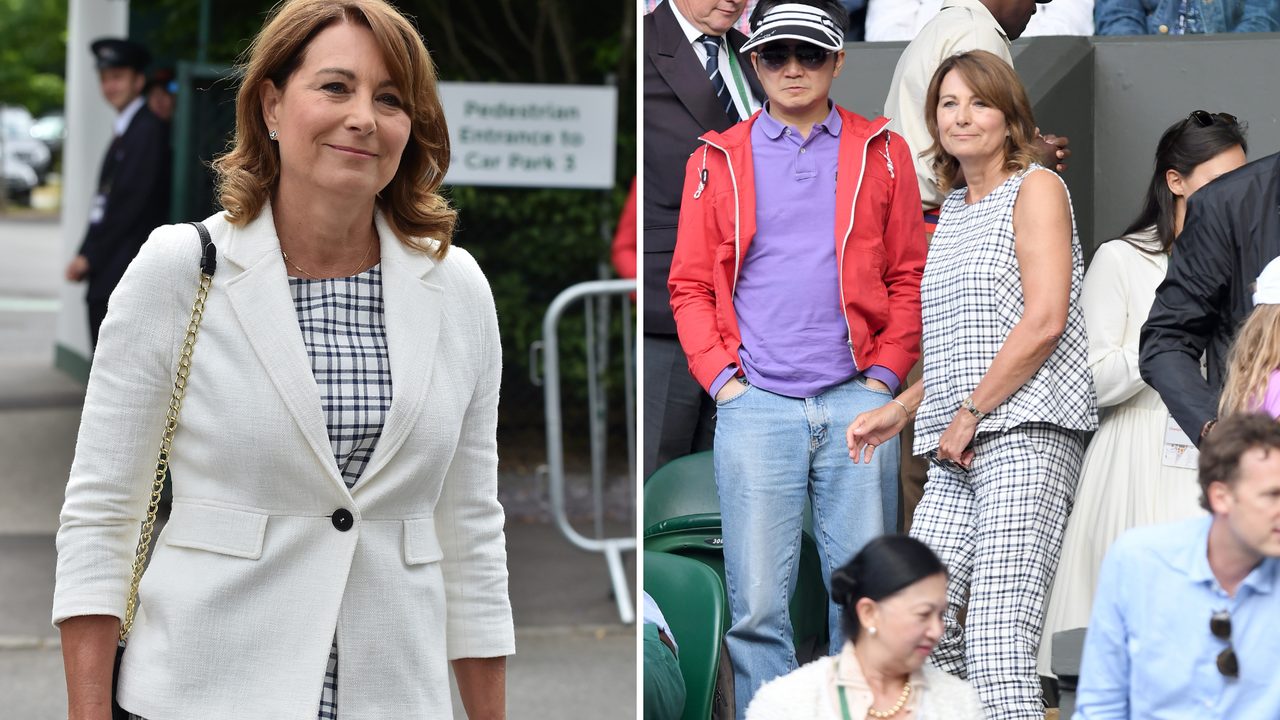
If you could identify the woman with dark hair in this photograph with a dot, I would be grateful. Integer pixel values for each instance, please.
(1007, 395)
(1132, 473)
(893, 594)
(335, 539)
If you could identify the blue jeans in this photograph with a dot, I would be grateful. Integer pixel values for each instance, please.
(771, 452)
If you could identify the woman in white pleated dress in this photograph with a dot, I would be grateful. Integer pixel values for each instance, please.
(1132, 475)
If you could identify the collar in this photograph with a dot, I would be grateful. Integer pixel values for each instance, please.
(1261, 580)
(774, 128)
(980, 10)
(690, 31)
(849, 672)
(125, 117)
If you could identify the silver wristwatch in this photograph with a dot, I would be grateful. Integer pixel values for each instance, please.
(973, 409)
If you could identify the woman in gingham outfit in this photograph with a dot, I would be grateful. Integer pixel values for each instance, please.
(335, 542)
(1007, 393)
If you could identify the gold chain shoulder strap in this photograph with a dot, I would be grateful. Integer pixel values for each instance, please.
(208, 263)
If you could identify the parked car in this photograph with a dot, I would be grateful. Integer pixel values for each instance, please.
(50, 129)
(19, 179)
(16, 122)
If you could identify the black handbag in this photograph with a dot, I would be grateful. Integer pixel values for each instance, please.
(208, 263)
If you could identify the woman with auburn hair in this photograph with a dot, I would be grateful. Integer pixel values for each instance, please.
(1131, 474)
(1007, 394)
(335, 539)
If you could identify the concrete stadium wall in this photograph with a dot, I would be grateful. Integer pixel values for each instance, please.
(1113, 97)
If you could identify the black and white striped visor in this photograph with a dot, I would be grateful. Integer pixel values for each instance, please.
(793, 21)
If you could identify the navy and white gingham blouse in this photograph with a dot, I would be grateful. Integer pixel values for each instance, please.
(971, 298)
(345, 333)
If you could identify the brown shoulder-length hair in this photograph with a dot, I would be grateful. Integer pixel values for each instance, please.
(995, 83)
(249, 173)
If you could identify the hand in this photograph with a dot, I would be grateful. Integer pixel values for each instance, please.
(730, 390)
(875, 384)
(1052, 149)
(954, 443)
(78, 268)
(874, 427)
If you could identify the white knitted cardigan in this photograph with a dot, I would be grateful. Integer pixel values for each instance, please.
(803, 695)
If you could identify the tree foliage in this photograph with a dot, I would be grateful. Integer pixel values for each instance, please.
(33, 53)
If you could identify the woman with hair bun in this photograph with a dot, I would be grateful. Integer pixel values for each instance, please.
(893, 594)
(1131, 475)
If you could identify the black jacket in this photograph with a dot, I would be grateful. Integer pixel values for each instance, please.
(680, 105)
(1232, 231)
(136, 173)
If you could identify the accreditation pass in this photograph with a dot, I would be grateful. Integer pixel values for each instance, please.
(1179, 451)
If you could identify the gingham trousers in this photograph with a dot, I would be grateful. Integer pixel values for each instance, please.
(999, 530)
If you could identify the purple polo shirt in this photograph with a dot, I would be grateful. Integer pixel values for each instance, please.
(795, 341)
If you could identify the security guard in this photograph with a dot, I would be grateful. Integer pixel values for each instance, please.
(133, 187)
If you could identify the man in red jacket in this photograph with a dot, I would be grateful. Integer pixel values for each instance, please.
(796, 291)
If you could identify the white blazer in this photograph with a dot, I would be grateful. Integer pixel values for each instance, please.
(251, 577)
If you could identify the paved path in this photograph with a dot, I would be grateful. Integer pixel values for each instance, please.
(573, 660)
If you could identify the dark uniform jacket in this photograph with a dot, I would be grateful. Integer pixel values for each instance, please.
(680, 104)
(135, 178)
(1232, 231)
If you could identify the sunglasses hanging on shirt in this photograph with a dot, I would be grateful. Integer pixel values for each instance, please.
(776, 57)
(1220, 626)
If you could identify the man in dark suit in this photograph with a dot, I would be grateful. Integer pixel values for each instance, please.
(695, 80)
(133, 187)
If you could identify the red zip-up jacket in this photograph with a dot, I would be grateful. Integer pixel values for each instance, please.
(879, 243)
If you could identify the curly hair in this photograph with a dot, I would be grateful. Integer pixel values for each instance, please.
(249, 173)
(995, 83)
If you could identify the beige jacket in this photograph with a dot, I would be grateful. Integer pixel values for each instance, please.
(251, 577)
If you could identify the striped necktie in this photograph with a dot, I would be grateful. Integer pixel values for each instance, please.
(717, 80)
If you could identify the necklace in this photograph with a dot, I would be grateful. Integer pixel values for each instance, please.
(313, 277)
(844, 702)
(902, 700)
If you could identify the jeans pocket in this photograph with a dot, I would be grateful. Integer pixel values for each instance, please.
(862, 381)
(723, 403)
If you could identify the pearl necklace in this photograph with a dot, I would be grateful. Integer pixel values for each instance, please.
(906, 692)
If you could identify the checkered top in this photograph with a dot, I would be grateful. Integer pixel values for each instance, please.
(346, 338)
(971, 297)
(345, 335)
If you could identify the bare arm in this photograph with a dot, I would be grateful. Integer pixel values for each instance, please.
(482, 683)
(874, 427)
(88, 654)
(1042, 241)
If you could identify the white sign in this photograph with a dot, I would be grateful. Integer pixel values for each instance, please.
(531, 135)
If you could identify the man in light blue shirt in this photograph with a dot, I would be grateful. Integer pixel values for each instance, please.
(1186, 622)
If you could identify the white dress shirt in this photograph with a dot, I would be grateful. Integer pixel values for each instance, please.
(121, 123)
(960, 26)
(746, 106)
(889, 20)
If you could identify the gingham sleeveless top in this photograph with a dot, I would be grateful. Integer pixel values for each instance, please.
(971, 297)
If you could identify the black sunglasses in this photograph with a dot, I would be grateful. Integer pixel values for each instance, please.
(1220, 626)
(776, 57)
(1203, 118)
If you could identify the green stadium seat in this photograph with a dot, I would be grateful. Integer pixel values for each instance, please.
(682, 517)
(691, 598)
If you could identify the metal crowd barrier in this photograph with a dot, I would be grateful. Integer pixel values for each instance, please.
(596, 295)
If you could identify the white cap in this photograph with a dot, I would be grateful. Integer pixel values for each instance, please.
(1267, 291)
(793, 21)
